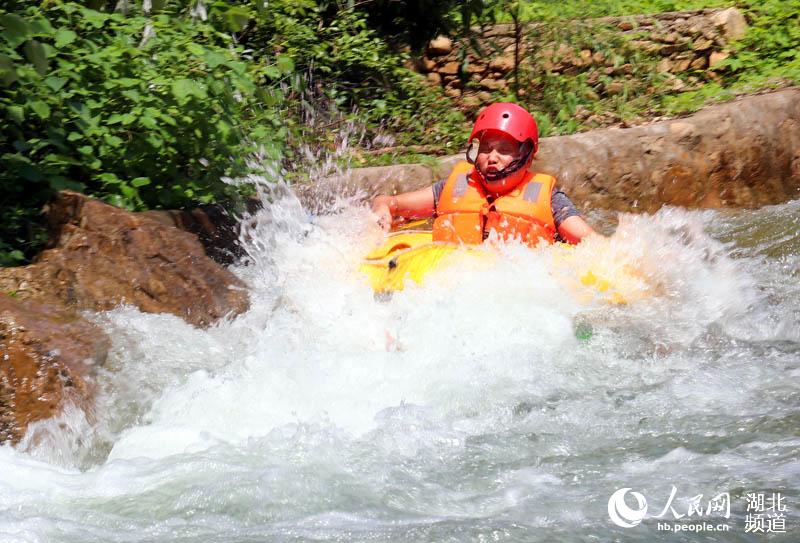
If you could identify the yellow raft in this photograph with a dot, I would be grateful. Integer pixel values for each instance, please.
(407, 254)
(411, 254)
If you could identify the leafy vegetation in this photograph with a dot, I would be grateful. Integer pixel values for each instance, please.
(630, 86)
(551, 10)
(770, 50)
(151, 110)
(141, 111)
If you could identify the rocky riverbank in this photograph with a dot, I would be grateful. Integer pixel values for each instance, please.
(99, 257)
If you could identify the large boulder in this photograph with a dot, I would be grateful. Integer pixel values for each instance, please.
(216, 228)
(743, 153)
(101, 256)
(49, 357)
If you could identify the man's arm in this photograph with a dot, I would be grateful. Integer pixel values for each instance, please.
(417, 204)
(570, 225)
(574, 229)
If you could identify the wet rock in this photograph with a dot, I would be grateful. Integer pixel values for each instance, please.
(684, 133)
(426, 65)
(670, 162)
(215, 227)
(502, 64)
(372, 180)
(440, 46)
(700, 63)
(101, 256)
(48, 357)
(492, 84)
(716, 59)
(450, 68)
(434, 78)
(731, 22)
(702, 44)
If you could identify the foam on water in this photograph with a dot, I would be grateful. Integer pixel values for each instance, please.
(461, 409)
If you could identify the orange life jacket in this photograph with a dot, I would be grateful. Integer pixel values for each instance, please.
(466, 213)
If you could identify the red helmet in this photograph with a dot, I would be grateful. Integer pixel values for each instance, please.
(510, 119)
(515, 122)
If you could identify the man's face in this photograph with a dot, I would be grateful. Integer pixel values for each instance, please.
(496, 151)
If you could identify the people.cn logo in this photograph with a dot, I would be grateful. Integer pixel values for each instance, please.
(622, 515)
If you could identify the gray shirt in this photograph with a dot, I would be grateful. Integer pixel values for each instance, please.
(562, 206)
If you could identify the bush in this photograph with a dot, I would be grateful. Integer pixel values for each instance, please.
(141, 111)
(349, 65)
(770, 48)
(149, 111)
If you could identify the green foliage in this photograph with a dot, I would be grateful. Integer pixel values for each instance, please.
(558, 10)
(152, 109)
(141, 111)
(414, 22)
(344, 73)
(579, 99)
(770, 49)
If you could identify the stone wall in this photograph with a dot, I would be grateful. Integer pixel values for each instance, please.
(685, 42)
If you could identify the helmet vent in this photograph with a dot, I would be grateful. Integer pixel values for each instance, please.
(505, 115)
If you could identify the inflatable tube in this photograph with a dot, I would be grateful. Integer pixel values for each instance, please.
(409, 255)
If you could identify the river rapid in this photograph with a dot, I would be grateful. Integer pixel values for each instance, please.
(506, 399)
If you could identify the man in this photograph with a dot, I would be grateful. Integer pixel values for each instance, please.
(493, 190)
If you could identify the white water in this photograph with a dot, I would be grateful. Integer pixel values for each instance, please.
(464, 410)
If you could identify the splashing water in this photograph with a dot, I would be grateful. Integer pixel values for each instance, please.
(461, 410)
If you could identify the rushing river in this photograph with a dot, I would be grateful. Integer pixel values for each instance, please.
(504, 400)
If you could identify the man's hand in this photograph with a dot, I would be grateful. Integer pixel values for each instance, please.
(382, 207)
(408, 205)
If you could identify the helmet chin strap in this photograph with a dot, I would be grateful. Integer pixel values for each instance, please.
(514, 166)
